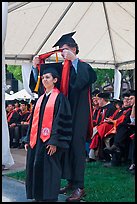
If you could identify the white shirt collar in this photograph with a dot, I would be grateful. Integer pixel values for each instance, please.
(48, 93)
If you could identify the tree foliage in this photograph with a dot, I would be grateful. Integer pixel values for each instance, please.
(104, 77)
(16, 71)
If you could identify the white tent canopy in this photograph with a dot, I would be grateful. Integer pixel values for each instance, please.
(8, 97)
(105, 31)
(22, 94)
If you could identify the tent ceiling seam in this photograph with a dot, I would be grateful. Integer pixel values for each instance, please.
(125, 9)
(17, 6)
(54, 27)
(82, 16)
(122, 38)
(35, 28)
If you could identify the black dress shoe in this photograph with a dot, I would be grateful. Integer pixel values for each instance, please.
(65, 189)
(76, 195)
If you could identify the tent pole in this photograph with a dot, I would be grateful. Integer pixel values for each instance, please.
(7, 159)
(117, 75)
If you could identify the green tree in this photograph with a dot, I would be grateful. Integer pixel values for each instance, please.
(16, 71)
(104, 77)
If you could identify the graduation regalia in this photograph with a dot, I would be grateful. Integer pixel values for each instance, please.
(80, 105)
(44, 172)
(120, 117)
(37, 82)
(106, 110)
(79, 85)
(12, 118)
(77, 88)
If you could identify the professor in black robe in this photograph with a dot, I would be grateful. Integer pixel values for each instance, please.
(81, 78)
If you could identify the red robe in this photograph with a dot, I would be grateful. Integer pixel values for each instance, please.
(104, 129)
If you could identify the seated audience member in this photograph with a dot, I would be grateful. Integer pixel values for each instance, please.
(32, 103)
(106, 110)
(95, 106)
(25, 125)
(120, 145)
(131, 155)
(23, 121)
(117, 103)
(12, 119)
(125, 97)
(17, 105)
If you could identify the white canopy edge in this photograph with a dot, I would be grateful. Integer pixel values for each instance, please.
(104, 31)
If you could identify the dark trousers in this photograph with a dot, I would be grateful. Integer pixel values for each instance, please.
(14, 136)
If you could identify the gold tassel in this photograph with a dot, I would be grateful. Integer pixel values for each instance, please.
(37, 85)
(57, 57)
(30, 106)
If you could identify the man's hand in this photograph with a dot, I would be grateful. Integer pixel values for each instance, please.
(35, 61)
(108, 120)
(67, 54)
(26, 147)
(13, 125)
(52, 149)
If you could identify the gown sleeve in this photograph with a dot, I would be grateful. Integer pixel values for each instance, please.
(85, 75)
(32, 82)
(62, 123)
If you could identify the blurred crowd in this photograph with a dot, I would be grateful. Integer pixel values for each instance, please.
(113, 137)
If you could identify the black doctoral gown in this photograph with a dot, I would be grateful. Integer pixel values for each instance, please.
(44, 172)
(79, 85)
(108, 109)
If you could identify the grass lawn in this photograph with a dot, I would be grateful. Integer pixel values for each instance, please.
(103, 184)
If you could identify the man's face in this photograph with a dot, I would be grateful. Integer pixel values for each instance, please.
(66, 47)
(126, 101)
(23, 107)
(100, 101)
(16, 105)
(95, 101)
(131, 100)
(10, 107)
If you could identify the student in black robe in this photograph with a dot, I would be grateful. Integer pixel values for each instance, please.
(48, 140)
(12, 118)
(34, 77)
(77, 88)
(21, 126)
